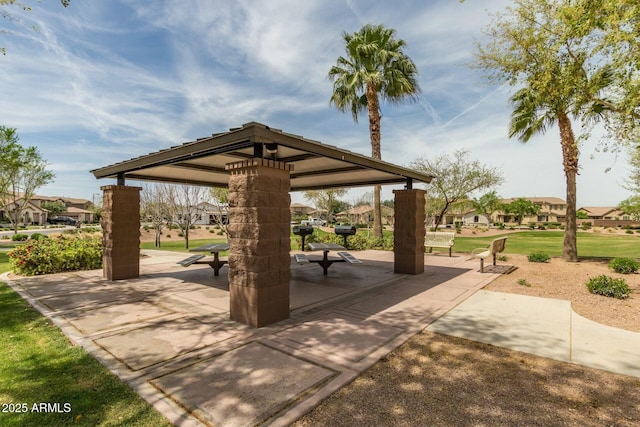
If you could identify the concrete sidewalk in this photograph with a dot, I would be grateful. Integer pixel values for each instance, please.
(544, 327)
(168, 333)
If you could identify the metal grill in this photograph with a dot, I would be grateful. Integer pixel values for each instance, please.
(345, 231)
(302, 231)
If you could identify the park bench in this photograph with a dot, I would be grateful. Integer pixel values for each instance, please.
(216, 263)
(349, 258)
(188, 261)
(496, 246)
(301, 258)
(438, 239)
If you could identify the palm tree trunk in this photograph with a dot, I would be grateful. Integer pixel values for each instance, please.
(570, 162)
(373, 105)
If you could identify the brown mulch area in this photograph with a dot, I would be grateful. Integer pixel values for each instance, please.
(438, 380)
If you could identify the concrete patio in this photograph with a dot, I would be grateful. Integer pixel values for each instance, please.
(168, 334)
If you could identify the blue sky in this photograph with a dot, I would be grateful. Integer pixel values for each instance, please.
(107, 80)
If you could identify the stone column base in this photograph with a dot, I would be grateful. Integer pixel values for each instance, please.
(408, 233)
(121, 232)
(259, 227)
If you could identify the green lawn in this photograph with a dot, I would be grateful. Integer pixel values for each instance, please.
(4, 262)
(39, 365)
(589, 244)
(178, 245)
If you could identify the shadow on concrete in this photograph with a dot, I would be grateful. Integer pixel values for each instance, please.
(169, 332)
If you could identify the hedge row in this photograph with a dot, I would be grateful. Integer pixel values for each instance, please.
(55, 255)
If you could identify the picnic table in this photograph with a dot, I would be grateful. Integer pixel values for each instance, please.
(213, 248)
(325, 262)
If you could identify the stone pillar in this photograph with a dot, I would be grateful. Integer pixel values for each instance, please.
(121, 232)
(408, 232)
(259, 224)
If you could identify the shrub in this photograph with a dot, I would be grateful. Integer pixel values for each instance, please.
(609, 287)
(19, 237)
(628, 231)
(538, 257)
(63, 253)
(38, 236)
(624, 265)
(524, 282)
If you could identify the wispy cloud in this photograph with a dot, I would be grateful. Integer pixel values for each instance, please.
(110, 79)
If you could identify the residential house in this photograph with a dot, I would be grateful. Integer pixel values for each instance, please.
(211, 213)
(79, 209)
(552, 209)
(607, 216)
(35, 214)
(298, 209)
(474, 218)
(363, 214)
(32, 214)
(604, 213)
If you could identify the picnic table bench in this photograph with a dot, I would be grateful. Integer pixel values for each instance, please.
(214, 248)
(439, 239)
(325, 262)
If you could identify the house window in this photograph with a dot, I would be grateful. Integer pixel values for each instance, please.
(476, 219)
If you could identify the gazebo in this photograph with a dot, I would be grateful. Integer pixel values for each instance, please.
(260, 166)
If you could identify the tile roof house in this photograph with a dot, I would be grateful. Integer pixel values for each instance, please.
(363, 214)
(604, 212)
(552, 209)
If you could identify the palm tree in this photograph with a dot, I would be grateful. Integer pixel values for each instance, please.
(375, 67)
(535, 112)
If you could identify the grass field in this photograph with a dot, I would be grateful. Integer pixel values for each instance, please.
(589, 244)
(599, 245)
(39, 365)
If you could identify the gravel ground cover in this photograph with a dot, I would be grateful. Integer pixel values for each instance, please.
(437, 380)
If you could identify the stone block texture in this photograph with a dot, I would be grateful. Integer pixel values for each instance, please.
(259, 260)
(408, 234)
(121, 232)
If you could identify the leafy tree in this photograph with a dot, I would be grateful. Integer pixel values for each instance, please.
(340, 206)
(22, 172)
(10, 159)
(325, 200)
(632, 182)
(456, 178)
(54, 208)
(375, 67)
(487, 204)
(521, 208)
(582, 215)
(631, 207)
(573, 61)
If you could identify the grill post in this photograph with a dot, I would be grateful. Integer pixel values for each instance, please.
(345, 231)
(302, 231)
